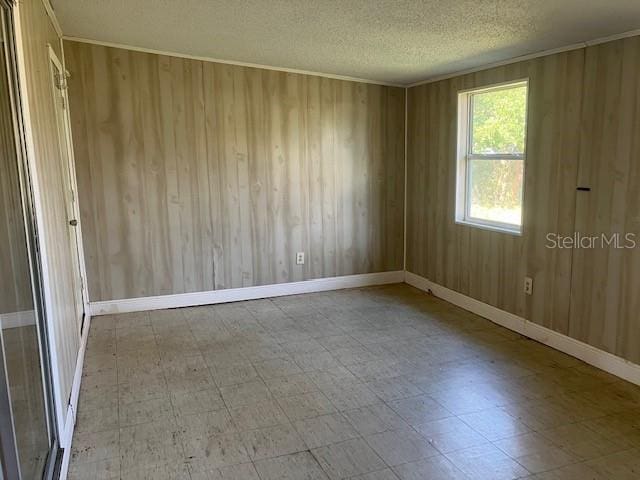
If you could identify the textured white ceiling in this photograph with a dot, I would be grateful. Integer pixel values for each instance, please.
(396, 41)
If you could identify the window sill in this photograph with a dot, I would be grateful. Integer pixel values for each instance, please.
(491, 228)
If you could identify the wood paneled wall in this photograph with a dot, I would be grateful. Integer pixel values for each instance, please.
(605, 303)
(48, 173)
(583, 128)
(196, 176)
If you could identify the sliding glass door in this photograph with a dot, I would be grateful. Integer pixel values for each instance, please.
(27, 438)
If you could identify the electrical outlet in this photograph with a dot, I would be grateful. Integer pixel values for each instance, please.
(528, 285)
(300, 258)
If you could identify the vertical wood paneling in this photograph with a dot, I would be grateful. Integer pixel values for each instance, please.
(604, 296)
(490, 266)
(197, 176)
(50, 171)
(583, 130)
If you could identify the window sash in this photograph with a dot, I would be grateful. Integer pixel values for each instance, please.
(465, 155)
(470, 107)
(467, 217)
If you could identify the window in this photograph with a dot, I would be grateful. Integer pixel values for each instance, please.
(491, 152)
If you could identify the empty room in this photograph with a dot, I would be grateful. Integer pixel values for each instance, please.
(320, 240)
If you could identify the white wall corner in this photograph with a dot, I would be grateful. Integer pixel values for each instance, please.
(593, 356)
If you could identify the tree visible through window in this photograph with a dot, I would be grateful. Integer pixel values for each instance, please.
(491, 152)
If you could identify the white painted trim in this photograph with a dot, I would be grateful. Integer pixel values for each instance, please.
(530, 56)
(406, 142)
(17, 319)
(59, 400)
(587, 353)
(245, 293)
(66, 437)
(52, 16)
(231, 62)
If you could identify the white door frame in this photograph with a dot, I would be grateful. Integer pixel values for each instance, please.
(74, 203)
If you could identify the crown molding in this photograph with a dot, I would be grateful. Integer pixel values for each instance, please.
(230, 62)
(530, 56)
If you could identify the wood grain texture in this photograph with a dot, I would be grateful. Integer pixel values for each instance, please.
(583, 130)
(490, 266)
(50, 170)
(197, 176)
(15, 294)
(604, 297)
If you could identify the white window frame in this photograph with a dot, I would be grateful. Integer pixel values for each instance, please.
(464, 154)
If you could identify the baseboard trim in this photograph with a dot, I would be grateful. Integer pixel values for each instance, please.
(245, 293)
(598, 358)
(66, 437)
(17, 319)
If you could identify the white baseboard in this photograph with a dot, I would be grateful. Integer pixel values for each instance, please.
(245, 293)
(17, 319)
(598, 358)
(66, 437)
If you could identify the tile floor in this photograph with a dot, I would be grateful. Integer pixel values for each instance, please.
(381, 383)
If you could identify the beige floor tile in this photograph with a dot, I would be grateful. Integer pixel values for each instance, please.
(162, 471)
(97, 419)
(143, 446)
(188, 403)
(273, 442)
(396, 447)
(156, 387)
(310, 362)
(494, 424)
(279, 367)
(620, 466)
(348, 397)
(325, 430)
(206, 424)
(243, 471)
(395, 388)
(374, 419)
(297, 466)
(147, 411)
(258, 415)
(576, 471)
(535, 452)
(335, 342)
(303, 346)
(332, 377)
(245, 393)
(233, 374)
(433, 468)
(307, 405)
(206, 452)
(291, 385)
(450, 434)
(583, 442)
(108, 469)
(348, 459)
(386, 474)
(486, 461)
(93, 447)
(418, 410)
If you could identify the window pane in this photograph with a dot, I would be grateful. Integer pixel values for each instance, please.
(495, 190)
(498, 123)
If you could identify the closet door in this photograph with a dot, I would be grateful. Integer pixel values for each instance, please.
(605, 287)
(27, 437)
